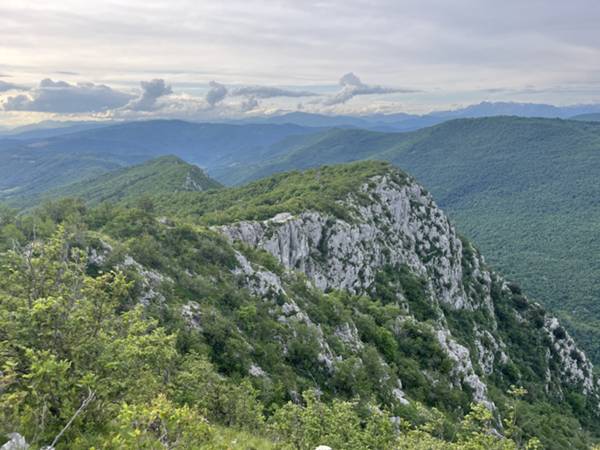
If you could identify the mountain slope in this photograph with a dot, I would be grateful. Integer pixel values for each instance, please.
(199, 143)
(28, 171)
(525, 190)
(341, 284)
(34, 166)
(592, 117)
(50, 128)
(161, 175)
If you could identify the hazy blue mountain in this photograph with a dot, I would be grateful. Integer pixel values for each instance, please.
(200, 143)
(410, 122)
(490, 109)
(309, 120)
(51, 128)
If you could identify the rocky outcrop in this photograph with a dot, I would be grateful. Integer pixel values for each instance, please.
(463, 367)
(259, 281)
(394, 224)
(574, 365)
(16, 442)
(401, 225)
(150, 282)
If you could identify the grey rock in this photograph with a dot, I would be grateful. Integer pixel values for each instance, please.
(400, 224)
(16, 442)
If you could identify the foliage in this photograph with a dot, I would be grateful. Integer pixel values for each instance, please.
(295, 192)
(160, 175)
(524, 189)
(146, 317)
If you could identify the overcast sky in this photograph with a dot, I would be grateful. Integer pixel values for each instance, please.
(132, 58)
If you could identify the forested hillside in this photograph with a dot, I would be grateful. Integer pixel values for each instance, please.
(333, 307)
(33, 166)
(158, 176)
(525, 190)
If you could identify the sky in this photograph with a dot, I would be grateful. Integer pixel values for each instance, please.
(207, 59)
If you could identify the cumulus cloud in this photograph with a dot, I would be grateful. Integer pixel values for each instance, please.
(216, 93)
(351, 86)
(151, 91)
(269, 92)
(250, 104)
(5, 86)
(62, 97)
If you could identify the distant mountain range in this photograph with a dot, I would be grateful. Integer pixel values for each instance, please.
(51, 128)
(32, 166)
(377, 121)
(410, 122)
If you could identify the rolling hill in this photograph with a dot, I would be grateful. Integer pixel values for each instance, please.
(30, 167)
(526, 190)
(166, 174)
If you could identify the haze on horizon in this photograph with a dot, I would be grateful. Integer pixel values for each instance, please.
(117, 59)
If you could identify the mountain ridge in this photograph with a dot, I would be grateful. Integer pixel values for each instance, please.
(160, 175)
(345, 280)
(524, 189)
(33, 166)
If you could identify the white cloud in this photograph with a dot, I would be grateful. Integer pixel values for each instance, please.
(6, 86)
(250, 104)
(351, 86)
(62, 97)
(216, 93)
(269, 92)
(151, 91)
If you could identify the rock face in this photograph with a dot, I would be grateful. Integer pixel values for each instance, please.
(16, 442)
(399, 225)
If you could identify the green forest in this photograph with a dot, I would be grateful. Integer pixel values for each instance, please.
(124, 326)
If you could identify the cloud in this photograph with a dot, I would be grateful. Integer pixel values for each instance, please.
(216, 93)
(269, 92)
(151, 91)
(464, 44)
(249, 104)
(48, 83)
(351, 86)
(5, 86)
(62, 97)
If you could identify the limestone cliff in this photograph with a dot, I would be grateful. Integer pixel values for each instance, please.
(393, 225)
